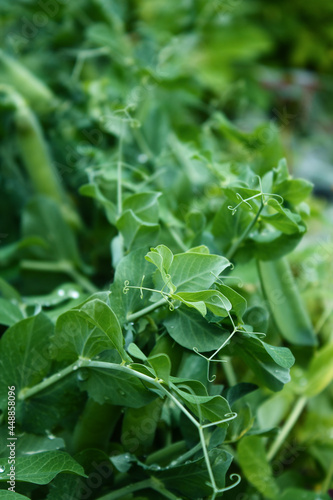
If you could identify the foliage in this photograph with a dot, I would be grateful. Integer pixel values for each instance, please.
(157, 312)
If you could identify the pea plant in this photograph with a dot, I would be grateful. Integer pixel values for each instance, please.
(161, 333)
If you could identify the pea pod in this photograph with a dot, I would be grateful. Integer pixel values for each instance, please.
(37, 159)
(285, 302)
(37, 94)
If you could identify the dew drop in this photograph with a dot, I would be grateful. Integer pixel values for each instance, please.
(83, 375)
(75, 367)
(173, 463)
(155, 467)
(74, 294)
(2, 468)
(61, 292)
(142, 158)
(121, 392)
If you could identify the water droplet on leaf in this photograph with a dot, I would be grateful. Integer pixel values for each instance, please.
(61, 292)
(2, 468)
(74, 294)
(83, 374)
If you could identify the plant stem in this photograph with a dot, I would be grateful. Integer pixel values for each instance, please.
(60, 267)
(122, 492)
(151, 483)
(146, 310)
(84, 362)
(288, 425)
(27, 392)
(119, 173)
(229, 373)
(237, 243)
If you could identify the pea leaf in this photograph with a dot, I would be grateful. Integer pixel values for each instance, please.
(270, 364)
(190, 329)
(196, 271)
(135, 231)
(43, 218)
(252, 459)
(88, 331)
(191, 479)
(24, 354)
(41, 468)
(9, 313)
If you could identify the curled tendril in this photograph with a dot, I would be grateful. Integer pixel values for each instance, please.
(209, 360)
(221, 490)
(166, 297)
(126, 287)
(228, 417)
(141, 291)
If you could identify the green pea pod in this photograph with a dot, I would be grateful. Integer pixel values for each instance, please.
(95, 426)
(37, 159)
(285, 302)
(37, 94)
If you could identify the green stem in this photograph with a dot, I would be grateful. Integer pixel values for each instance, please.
(146, 310)
(327, 484)
(288, 425)
(151, 483)
(123, 492)
(119, 173)
(229, 373)
(60, 267)
(28, 392)
(237, 243)
(84, 362)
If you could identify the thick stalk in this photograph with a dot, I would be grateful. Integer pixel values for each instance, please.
(145, 310)
(288, 425)
(60, 267)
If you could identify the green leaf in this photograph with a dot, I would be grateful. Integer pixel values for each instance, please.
(143, 205)
(135, 351)
(43, 218)
(24, 354)
(238, 302)
(191, 479)
(132, 268)
(93, 191)
(161, 365)
(41, 468)
(115, 386)
(6, 495)
(102, 316)
(283, 219)
(9, 313)
(135, 231)
(253, 461)
(162, 258)
(270, 364)
(254, 464)
(213, 300)
(87, 331)
(294, 191)
(190, 329)
(194, 271)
